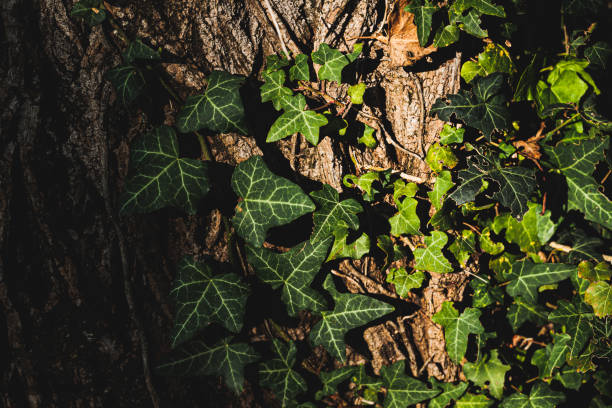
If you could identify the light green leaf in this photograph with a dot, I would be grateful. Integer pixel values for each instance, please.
(488, 245)
(403, 281)
(402, 390)
(439, 157)
(423, 11)
(599, 296)
(275, 62)
(575, 317)
(300, 71)
(577, 162)
(541, 396)
(485, 294)
(488, 371)
(522, 311)
(431, 258)
(474, 401)
(332, 379)
(202, 298)
(526, 277)
(451, 134)
(457, 328)
(515, 183)
(279, 376)
(331, 211)
(342, 249)
(333, 61)
(484, 108)
(569, 87)
(364, 182)
(274, 90)
(463, 246)
(160, 178)
(450, 392)
(533, 231)
(483, 6)
(350, 311)
(294, 271)
(218, 109)
(470, 70)
(443, 183)
(406, 220)
(128, 81)
(494, 58)
(368, 138)
(137, 50)
(296, 119)
(445, 36)
(267, 200)
(224, 358)
(600, 272)
(90, 11)
(355, 92)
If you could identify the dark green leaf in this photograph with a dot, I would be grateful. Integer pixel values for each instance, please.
(350, 311)
(402, 390)
(541, 396)
(294, 271)
(522, 311)
(599, 54)
(274, 90)
(267, 200)
(202, 298)
(450, 392)
(300, 71)
(331, 211)
(575, 317)
(463, 247)
(423, 11)
(90, 11)
(488, 371)
(470, 23)
(137, 50)
(296, 119)
(160, 178)
(279, 376)
(224, 358)
(333, 61)
(404, 281)
(332, 379)
(219, 109)
(457, 328)
(275, 62)
(484, 109)
(526, 277)
(445, 36)
(128, 81)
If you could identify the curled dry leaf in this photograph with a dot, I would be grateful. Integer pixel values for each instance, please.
(403, 43)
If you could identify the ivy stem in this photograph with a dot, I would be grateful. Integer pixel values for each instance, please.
(563, 124)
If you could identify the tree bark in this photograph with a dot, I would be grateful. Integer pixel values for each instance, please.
(84, 292)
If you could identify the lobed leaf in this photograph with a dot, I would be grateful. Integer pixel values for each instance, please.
(457, 328)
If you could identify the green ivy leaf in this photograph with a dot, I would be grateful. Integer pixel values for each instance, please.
(522, 311)
(483, 6)
(128, 81)
(489, 371)
(598, 54)
(224, 358)
(404, 281)
(267, 200)
(463, 246)
(575, 317)
(294, 270)
(599, 272)
(445, 36)
(331, 211)
(577, 162)
(431, 258)
(439, 157)
(274, 90)
(457, 328)
(333, 61)
(275, 62)
(218, 109)
(470, 70)
(406, 221)
(450, 392)
(350, 311)
(485, 294)
(278, 374)
(296, 119)
(137, 50)
(451, 134)
(484, 108)
(470, 23)
(599, 296)
(558, 351)
(488, 245)
(160, 178)
(515, 183)
(533, 231)
(300, 71)
(368, 138)
(423, 11)
(90, 11)
(541, 396)
(494, 58)
(392, 251)
(341, 249)
(202, 298)
(364, 182)
(355, 92)
(443, 183)
(474, 401)
(526, 277)
(332, 379)
(401, 389)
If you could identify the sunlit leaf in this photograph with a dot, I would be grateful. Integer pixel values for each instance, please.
(541, 396)
(404, 281)
(403, 390)
(296, 119)
(431, 258)
(457, 328)
(333, 61)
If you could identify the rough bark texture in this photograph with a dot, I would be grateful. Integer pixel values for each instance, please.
(84, 293)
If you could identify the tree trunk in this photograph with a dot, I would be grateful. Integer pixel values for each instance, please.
(84, 292)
